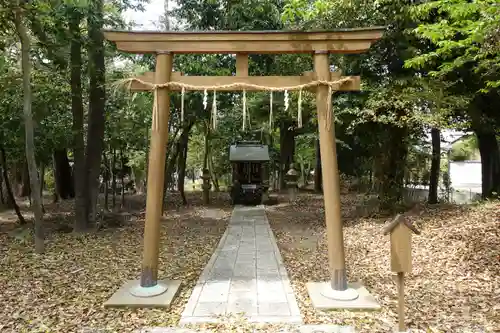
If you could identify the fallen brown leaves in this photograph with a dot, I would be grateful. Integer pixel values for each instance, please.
(455, 284)
(64, 289)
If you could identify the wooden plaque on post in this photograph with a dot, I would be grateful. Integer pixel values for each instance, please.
(400, 231)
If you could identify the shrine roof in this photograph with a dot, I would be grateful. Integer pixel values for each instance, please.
(249, 153)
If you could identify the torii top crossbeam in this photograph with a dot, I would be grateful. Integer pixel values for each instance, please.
(258, 42)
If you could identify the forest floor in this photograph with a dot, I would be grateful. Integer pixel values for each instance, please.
(455, 283)
(454, 287)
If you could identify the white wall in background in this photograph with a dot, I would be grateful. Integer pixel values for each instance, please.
(465, 174)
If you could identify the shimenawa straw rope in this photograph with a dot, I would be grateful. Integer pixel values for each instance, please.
(237, 85)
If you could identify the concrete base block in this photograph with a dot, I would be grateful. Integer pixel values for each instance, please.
(123, 297)
(365, 301)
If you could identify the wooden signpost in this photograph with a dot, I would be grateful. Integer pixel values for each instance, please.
(400, 230)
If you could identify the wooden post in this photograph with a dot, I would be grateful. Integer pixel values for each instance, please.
(401, 302)
(156, 174)
(331, 182)
(241, 64)
(400, 230)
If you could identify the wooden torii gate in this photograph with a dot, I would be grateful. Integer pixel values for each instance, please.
(151, 292)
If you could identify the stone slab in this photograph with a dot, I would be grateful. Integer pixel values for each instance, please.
(245, 275)
(294, 328)
(365, 301)
(123, 298)
(326, 328)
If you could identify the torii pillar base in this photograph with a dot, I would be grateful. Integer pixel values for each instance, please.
(323, 297)
(131, 295)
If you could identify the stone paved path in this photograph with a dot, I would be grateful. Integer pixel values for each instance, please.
(244, 275)
(326, 328)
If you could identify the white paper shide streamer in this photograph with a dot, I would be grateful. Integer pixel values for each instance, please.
(205, 99)
(299, 110)
(270, 111)
(183, 90)
(214, 111)
(286, 100)
(244, 109)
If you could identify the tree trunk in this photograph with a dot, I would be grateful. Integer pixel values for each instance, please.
(318, 188)
(435, 166)
(29, 130)
(392, 172)
(122, 179)
(62, 173)
(181, 162)
(490, 164)
(169, 169)
(113, 178)
(105, 178)
(213, 175)
(25, 188)
(10, 193)
(42, 183)
(287, 150)
(169, 162)
(2, 198)
(97, 96)
(207, 146)
(79, 174)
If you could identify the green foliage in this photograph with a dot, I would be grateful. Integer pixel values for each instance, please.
(462, 32)
(465, 149)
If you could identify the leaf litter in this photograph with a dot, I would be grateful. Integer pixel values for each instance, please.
(454, 286)
(64, 289)
(455, 282)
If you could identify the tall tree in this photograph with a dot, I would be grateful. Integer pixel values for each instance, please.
(79, 174)
(465, 40)
(22, 31)
(97, 99)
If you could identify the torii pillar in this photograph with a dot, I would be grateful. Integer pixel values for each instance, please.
(149, 291)
(336, 293)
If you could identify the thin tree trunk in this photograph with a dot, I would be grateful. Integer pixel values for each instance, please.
(2, 199)
(10, 193)
(169, 169)
(206, 145)
(97, 96)
(25, 189)
(435, 165)
(287, 150)
(42, 183)
(318, 188)
(122, 179)
(169, 163)
(113, 178)
(105, 178)
(181, 164)
(79, 175)
(29, 130)
(213, 175)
